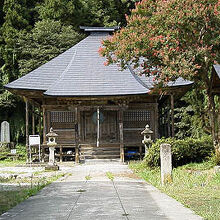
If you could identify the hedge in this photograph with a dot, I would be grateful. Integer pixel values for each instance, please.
(183, 151)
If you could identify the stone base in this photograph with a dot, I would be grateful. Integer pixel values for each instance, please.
(52, 168)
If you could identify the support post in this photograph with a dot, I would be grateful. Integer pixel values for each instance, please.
(172, 114)
(27, 128)
(40, 131)
(166, 163)
(76, 136)
(61, 154)
(156, 121)
(44, 126)
(33, 120)
(122, 154)
(98, 127)
(168, 124)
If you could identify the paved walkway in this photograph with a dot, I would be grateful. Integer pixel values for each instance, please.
(90, 195)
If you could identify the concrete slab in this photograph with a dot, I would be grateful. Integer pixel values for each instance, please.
(90, 194)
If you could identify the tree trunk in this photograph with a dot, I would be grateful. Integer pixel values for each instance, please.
(213, 120)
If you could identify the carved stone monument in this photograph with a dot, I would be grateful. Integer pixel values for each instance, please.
(5, 132)
(166, 163)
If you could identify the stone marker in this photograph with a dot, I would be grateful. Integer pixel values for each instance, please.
(5, 132)
(166, 163)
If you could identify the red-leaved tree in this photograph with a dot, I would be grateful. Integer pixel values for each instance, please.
(170, 39)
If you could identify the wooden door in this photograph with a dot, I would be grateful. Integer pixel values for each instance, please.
(108, 126)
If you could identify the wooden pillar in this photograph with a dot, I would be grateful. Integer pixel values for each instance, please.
(40, 122)
(98, 127)
(43, 153)
(76, 136)
(122, 154)
(172, 114)
(168, 124)
(156, 120)
(33, 120)
(140, 152)
(61, 154)
(27, 128)
(44, 126)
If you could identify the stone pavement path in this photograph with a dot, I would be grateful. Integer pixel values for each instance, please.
(90, 195)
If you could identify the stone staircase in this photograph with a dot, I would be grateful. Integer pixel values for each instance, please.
(108, 152)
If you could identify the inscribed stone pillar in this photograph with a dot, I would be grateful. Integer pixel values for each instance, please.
(166, 163)
(5, 132)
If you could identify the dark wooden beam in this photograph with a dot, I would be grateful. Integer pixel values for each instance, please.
(40, 131)
(27, 127)
(121, 136)
(44, 125)
(76, 136)
(33, 119)
(156, 120)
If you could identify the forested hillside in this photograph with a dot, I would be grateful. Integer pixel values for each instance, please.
(34, 31)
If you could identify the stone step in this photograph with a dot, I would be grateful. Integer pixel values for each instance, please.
(102, 157)
(100, 149)
(101, 152)
(102, 161)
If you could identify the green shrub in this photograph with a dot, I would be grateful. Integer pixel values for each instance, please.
(21, 150)
(4, 150)
(183, 151)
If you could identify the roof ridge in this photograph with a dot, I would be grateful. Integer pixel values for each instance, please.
(137, 78)
(63, 73)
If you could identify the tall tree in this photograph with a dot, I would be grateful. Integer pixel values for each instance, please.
(86, 12)
(173, 38)
(46, 40)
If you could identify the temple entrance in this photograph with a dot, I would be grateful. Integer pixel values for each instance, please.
(99, 126)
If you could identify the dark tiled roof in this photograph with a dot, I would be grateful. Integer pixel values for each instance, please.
(80, 71)
(88, 76)
(46, 75)
(217, 69)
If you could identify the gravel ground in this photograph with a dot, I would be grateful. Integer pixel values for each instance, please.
(15, 178)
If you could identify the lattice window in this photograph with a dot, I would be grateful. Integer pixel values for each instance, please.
(136, 118)
(62, 117)
(137, 115)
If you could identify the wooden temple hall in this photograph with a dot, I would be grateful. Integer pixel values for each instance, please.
(97, 111)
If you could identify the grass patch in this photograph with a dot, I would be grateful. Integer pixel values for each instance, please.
(10, 163)
(88, 177)
(110, 175)
(195, 185)
(8, 199)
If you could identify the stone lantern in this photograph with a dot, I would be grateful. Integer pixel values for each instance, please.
(52, 144)
(147, 138)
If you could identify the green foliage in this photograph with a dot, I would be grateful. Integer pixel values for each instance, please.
(21, 150)
(183, 151)
(4, 150)
(191, 115)
(86, 12)
(47, 39)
